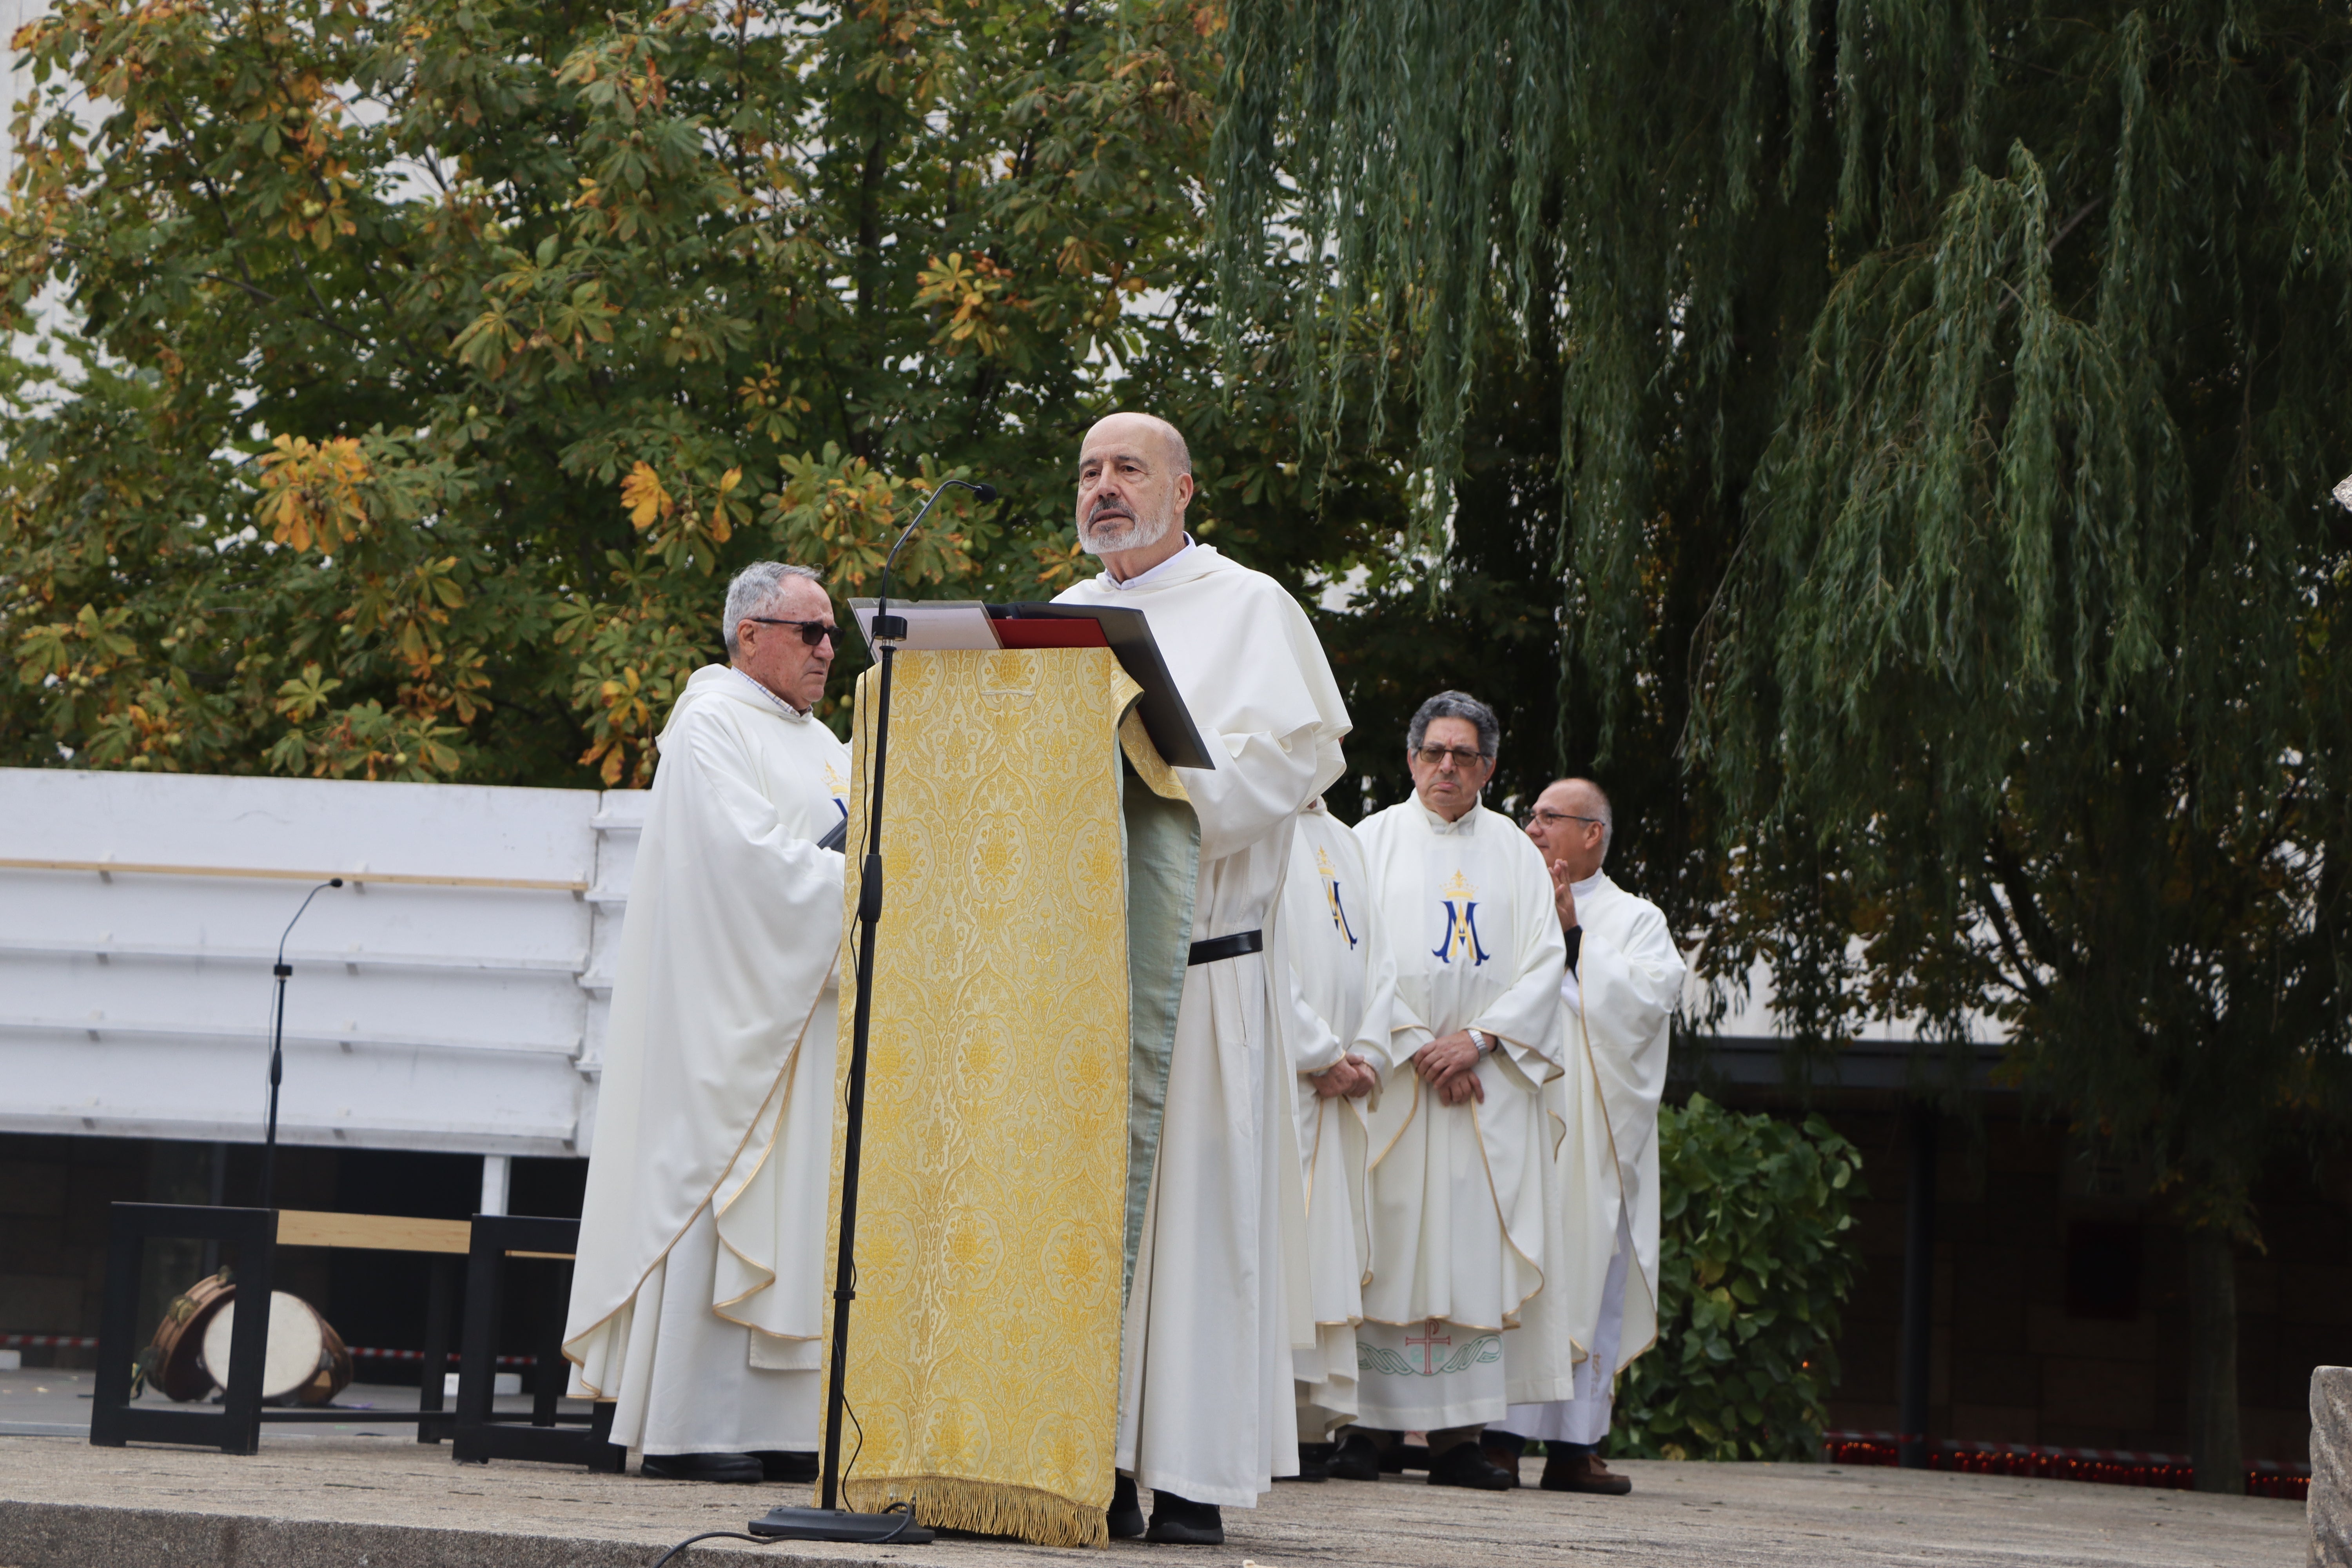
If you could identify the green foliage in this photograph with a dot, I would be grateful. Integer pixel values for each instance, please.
(427, 368)
(1948, 404)
(2032, 633)
(1756, 1257)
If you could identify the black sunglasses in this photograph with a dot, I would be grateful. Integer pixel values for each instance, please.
(811, 632)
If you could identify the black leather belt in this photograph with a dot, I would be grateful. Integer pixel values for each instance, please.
(1233, 946)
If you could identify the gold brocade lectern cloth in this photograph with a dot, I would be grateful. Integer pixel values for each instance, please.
(1011, 1065)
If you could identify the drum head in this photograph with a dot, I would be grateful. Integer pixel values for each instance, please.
(296, 1349)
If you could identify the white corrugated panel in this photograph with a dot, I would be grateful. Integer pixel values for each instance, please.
(450, 996)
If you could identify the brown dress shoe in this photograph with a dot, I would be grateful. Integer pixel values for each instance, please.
(1582, 1473)
(1505, 1462)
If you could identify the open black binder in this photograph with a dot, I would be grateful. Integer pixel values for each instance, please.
(1128, 632)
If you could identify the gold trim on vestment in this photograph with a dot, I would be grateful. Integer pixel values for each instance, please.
(629, 1299)
(1492, 1196)
(1148, 764)
(1617, 1171)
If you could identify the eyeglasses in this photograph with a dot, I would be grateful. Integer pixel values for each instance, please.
(1554, 818)
(1462, 758)
(811, 632)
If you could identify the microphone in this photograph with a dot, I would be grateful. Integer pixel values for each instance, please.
(887, 624)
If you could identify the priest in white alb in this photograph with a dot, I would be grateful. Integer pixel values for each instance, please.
(1624, 983)
(1345, 980)
(698, 1299)
(1206, 1413)
(1460, 1190)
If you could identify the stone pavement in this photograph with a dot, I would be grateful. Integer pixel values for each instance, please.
(388, 1502)
(49, 1402)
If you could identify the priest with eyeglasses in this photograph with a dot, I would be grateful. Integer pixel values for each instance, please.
(1460, 1190)
(1623, 983)
(697, 1298)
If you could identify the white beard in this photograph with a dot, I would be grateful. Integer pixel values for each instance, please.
(1106, 536)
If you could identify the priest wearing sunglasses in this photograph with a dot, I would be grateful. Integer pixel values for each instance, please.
(697, 1300)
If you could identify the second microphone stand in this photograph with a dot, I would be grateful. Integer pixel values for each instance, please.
(283, 970)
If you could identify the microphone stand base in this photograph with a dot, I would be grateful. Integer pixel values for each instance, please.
(840, 1525)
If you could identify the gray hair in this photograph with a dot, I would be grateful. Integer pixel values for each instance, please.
(755, 589)
(1181, 453)
(1457, 705)
(1607, 812)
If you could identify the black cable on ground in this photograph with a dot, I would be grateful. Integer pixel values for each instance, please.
(710, 1535)
(905, 1510)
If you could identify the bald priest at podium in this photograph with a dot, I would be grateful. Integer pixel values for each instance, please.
(1207, 1415)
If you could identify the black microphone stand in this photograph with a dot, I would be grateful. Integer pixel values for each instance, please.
(829, 1520)
(277, 1045)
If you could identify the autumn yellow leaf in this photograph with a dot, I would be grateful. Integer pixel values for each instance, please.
(641, 493)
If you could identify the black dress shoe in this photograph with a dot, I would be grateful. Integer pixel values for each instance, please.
(1465, 1464)
(786, 1466)
(1357, 1458)
(1180, 1521)
(734, 1469)
(1312, 1457)
(1125, 1514)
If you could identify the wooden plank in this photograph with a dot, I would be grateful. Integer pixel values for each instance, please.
(376, 1232)
(383, 1233)
(400, 878)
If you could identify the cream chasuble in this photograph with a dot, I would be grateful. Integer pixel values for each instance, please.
(1346, 981)
(1621, 1010)
(697, 1298)
(1462, 1208)
(1206, 1405)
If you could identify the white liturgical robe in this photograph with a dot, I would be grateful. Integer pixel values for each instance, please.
(697, 1300)
(1346, 982)
(1620, 1004)
(1461, 1196)
(1206, 1408)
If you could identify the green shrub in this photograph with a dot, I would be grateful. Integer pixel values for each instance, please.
(1756, 1257)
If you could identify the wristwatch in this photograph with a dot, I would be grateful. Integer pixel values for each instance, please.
(1484, 1041)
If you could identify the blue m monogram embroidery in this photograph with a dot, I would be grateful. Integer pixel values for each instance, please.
(1461, 938)
(1331, 894)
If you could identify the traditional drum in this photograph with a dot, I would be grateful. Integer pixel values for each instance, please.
(174, 1362)
(303, 1362)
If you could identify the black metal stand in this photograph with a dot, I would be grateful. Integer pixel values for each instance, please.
(829, 1520)
(440, 1294)
(234, 1427)
(281, 969)
(480, 1435)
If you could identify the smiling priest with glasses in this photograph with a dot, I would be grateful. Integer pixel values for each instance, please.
(1460, 1192)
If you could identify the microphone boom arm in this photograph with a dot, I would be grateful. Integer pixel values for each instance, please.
(882, 602)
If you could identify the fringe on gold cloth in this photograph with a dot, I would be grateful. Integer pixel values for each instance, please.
(984, 1507)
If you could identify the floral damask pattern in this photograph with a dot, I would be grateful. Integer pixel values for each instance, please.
(983, 1361)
